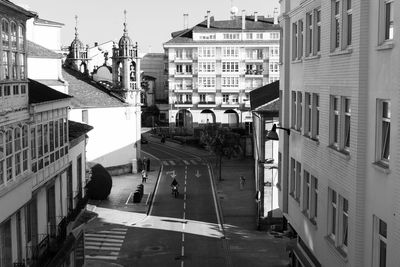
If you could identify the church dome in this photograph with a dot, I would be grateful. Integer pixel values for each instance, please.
(77, 43)
(125, 41)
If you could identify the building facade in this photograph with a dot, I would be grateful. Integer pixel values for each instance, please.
(40, 199)
(214, 65)
(339, 167)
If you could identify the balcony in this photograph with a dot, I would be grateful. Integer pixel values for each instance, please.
(206, 89)
(183, 89)
(206, 104)
(258, 58)
(187, 58)
(183, 74)
(183, 104)
(230, 89)
(253, 73)
(230, 105)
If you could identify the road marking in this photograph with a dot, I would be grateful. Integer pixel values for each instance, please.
(172, 162)
(164, 162)
(105, 235)
(183, 251)
(186, 162)
(183, 237)
(103, 248)
(127, 201)
(184, 205)
(103, 239)
(89, 243)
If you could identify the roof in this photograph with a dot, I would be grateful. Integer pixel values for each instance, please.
(37, 51)
(233, 25)
(264, 95)
(22, 10)
(77, 129)
(87, 93)
(50, 82)
(48, 22)
(40, 93)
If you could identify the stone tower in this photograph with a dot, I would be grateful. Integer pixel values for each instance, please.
(77, 58)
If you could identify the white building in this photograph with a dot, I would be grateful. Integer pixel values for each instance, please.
(340, 167)
(40, 197)
(214, 65)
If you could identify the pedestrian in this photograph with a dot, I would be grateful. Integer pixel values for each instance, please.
(144, 163)
(242, 182)
(148, 164)
(144, 176)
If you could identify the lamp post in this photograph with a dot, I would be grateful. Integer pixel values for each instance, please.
(273, 135)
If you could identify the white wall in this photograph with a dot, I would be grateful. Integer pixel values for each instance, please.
(45, 35)
(44, 68)
(112, 141)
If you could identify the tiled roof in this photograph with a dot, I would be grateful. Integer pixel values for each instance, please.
(271, 106)
(234, 25)
(88, 93)
(37, 51)
(77, 129)
(18, 8)
(48, 22)
(264, 95)
(40, 93)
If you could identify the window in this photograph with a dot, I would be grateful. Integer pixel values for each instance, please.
(15, 89)
(13, 35)
(179, 68)
(249, 36)
(231, 36)
(338, 220)
(22, 66)
(379, 242)
(315, 117)
(206, 66)
(308, 115)
(188, 69)
(294, 41)
(202, 98)
(310, 196)
(230, 52)
(295, 180)
(33, 149)
(309, 34)
(5, 31)
(348, 23)
(14, 65)
(2, 155)
(299, 111)
(314, 198)
(230, 66)
(306, 192)
(254, 54)
(300, 39)
(230, 82)
(9, 155)
(206, 52)
(7, 90)
(335, 118)
(259, 36)
(383, 132)
(294, 109)
(21, 36)
(279, 184)
(347, 116)
(318, 31)
(206, 82)
(225, 98)
(5, 74)
(336, 20)
(386, 20)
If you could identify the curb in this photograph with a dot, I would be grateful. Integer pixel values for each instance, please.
(154, 191)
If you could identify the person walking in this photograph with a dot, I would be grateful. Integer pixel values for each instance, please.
(144, 176)
(242, 182)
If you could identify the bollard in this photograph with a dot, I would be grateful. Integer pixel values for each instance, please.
(140, 189)
(148, 164)
(136, 197)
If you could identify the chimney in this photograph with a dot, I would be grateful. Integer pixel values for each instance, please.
(255, 16)
(96, 44)
(243, 19)
(208, 18)
(275, 15)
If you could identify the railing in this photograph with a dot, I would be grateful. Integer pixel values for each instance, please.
(254, 72)
(183, 72)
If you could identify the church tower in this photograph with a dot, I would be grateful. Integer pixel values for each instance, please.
(126, 81)
(126, 69)
(77, 58)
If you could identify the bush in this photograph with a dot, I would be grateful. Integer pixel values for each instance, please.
(100, 184)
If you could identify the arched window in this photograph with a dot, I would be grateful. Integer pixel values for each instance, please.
(5, 74)
(21, 37)
(13, 35)
(5, 31)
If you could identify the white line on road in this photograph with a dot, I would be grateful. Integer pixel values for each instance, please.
(127, 201)
(104, 239)
(184, 205)
(105, 235)
(183, 251)
(183, 237)
(101, 257)
(102, 244)
(102, 248)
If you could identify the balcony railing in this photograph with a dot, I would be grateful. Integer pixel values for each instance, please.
(183, 72)
(207, 102)
(254, 72)
(184, 102)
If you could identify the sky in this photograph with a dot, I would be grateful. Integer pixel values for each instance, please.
(149, 22)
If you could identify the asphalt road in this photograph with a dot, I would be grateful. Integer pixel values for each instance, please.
(182, 231)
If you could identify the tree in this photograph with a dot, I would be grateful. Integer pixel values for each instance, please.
(100, 184)
(222, 142)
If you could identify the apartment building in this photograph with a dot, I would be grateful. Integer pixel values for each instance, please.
(42, 166)
(214, 65)
(339, 169)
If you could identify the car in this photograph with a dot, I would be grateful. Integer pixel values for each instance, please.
(143, 140)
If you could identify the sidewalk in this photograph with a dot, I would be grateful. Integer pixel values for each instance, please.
(248, 246)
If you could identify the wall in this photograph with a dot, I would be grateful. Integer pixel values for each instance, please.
(44, 68)
(112, 142)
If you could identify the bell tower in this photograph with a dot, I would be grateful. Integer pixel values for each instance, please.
(126, 81)
(126, 63)
(77, 58)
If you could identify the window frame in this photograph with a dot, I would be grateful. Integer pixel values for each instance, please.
(381, 120)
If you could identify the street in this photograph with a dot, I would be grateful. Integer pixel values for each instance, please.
(182, 231)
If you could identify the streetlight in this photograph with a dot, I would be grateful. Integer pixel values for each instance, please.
(272, 135)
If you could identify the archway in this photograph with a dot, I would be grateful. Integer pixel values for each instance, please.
(184, 119)
(206, 116)
(82, 68)
(231, 118)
